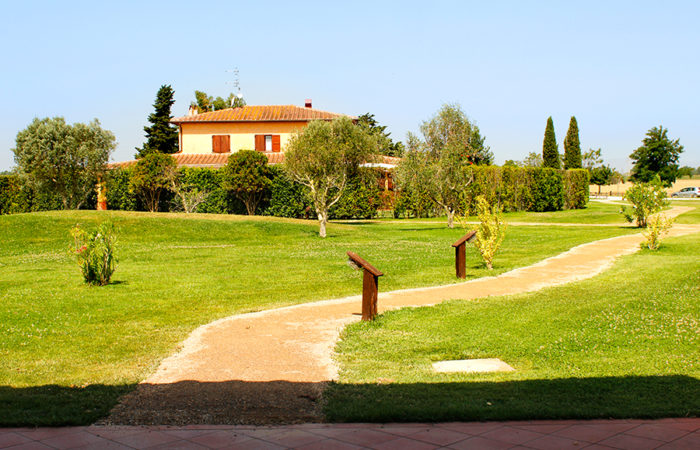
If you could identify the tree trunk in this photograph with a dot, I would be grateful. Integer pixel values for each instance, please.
(322, 219)
(450, 218)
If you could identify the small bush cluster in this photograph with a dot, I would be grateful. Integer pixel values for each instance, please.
(19, 195)
(646, 199)
(657, 226)
(490, 232)
(95, 252)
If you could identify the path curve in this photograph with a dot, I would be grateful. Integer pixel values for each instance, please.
(271, 366)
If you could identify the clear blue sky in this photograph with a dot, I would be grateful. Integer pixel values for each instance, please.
(620, 67)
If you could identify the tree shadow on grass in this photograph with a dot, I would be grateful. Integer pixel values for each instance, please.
(281, 402)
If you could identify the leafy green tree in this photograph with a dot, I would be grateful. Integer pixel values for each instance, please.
(450, 128)
(323, 156)
(533, 159)
(697, 171)
(207, 103)
(572, 146)
(658, 155)
(591, 158)
(62, 158)
(249, 177)
(386, 145)
(161, 135)
(685, 171)
(440, 164)
(550, 149)
(153, 174)
(601, 176)
(646, 199)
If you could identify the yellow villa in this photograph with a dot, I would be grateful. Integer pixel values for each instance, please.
(209, 138)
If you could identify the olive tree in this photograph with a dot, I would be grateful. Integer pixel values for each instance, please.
(322, 157)
(440, 163)
(63, 158)
(153, 174)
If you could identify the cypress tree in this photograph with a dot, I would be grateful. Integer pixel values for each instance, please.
(572, 146)
(161, 135)
(550, 150)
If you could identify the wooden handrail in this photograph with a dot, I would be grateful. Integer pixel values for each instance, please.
(466, 238)
(364, 264)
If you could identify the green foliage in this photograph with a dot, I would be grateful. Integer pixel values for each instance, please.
(646, 199)
(547, 189)
(207, 103)
(287, 198)
(601, 176)
(96, 253)
(591, 158)
(572, 146)
(64, 159)
(550, 149)
(657, 226)
(490, 232)
(386, 145)
(415, 202)
(440, 163)
(119, 193)
(658, 155)
(533, 159)
(516, 193)
(685, 171)
(248, 176)
(151, 176)
(161, 135)
(361, 197)
(576, 188)
(323, 156)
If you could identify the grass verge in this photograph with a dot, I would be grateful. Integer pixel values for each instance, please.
(623, 344)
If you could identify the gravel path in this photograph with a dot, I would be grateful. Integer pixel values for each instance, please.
(271, 367)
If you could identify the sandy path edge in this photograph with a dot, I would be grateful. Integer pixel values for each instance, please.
(272, 366)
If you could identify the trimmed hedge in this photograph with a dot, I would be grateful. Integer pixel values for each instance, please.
(512, 188)
(18, 195)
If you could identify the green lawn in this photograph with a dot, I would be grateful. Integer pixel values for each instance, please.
(67, 351)
(623, 344)
(691, 216)
(595, 213)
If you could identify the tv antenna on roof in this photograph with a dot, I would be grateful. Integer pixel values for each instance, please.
(236, 84)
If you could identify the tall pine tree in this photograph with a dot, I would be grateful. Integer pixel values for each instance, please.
(161, 135)
(572, 146)
(550, 150)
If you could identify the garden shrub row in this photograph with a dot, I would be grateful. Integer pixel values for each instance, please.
(19, 195)
(512, 188)
(285, 198)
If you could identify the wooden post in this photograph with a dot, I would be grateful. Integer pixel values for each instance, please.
(461, 254)
(370, 285)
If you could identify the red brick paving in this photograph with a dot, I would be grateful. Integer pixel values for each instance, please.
(604, 434)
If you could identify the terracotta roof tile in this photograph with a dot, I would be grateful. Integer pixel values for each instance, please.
(272, 113)
(214, 160)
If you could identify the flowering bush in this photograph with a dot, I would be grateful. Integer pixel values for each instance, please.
(95, 252)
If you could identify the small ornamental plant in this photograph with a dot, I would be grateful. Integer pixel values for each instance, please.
(95, 252)
(646, 199)
(657, 226)
(490, 231)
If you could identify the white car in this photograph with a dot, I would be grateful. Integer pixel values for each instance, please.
(692, 192)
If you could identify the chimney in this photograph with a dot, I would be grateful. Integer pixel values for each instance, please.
(192, 111)
(307, 103)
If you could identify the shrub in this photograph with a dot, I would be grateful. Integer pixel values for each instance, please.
(248, 176)
(657, 226)
(516, 194)
(547, 189)
(18, 195)
(287, 198)
(361, 197)
(95, 252)
(646, 199)
(152, 175)
(119, 195)
(490, 231)
(576, 188)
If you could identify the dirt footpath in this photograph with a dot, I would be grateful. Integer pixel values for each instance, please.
(271, 366)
